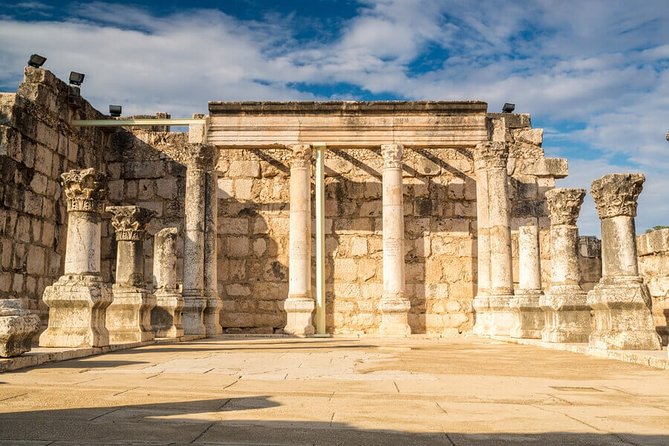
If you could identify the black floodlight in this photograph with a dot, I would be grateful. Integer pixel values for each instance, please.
(508, 108)
(76, 78)
(115, 111)
(36, 60)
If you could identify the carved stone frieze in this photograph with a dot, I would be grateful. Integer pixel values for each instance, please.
(85, 190)
(564, 204)
(616, 194)
(491, 155)
(130, 222)
(392, 155)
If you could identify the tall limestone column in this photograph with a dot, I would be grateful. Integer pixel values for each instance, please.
(620, 301)
(199, 159)
(79, 299)
(567, 314)
(212, 313)
(300, 303)
(491, 159)
(528, 315)
(129, 315)
(166, 316)
(394, 304)
(481, 303)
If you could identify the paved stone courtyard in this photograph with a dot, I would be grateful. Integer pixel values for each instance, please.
(339, 391)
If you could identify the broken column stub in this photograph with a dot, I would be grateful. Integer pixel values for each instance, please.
(199, 160)
(567, 314)
(394, 303)
(166, 316)
(17, 328)
(78, 300)
(492, 305)
(528, 315)
(300, 304)
(620, 301)
(129, 315)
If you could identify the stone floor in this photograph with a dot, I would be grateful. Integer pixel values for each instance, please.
(281, 391)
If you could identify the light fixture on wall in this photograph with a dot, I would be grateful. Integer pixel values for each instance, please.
(115, 111)
(508, 107)
(36, 60)
(76, 78)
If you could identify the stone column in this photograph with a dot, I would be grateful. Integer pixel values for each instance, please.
(481, 303)
(212, 313)
(394, 304)
(199, 159)
(129, 315)
(300, 303)
(567, 314)
(620, 301)
(490, 160)
(528, 315)
(166, 316)
(79, 299)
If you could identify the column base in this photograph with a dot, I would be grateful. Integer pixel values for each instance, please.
(501, 316)
(212, 315)
(299, 316)
(527, 314)
(17, 328)
(192, 315)
(129, 315)
(395, 317)
(567, 315)
(166, 316)
(481, 305)
(77, 312)
(622, 316)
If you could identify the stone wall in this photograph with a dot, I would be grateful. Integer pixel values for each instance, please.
(37, 144)
(653, 251)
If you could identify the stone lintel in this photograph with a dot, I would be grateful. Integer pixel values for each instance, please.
(345, 108)
(653, 242)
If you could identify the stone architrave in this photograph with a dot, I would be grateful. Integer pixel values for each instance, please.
(166, 316)
(17, 328)
(394, 304)
(79, 299)
(620, 301)
(567, 314)
(212, 312)
(528, 315)
(129, 315)
(300, 303)
(199, 160)
(492, 304)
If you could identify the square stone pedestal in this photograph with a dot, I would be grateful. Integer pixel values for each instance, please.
(481, 305)
(17, 328)
(567, 315)
(622, 316)
(299, 316)
(166, 316)
(528, 317)
(129, 315)
(395, 317)
(501, 315)
(192, 316)
(77, 308)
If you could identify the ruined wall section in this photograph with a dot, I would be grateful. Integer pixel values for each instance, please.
(37, 144)
(653, 252)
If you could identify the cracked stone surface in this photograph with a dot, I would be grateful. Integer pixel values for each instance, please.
(285, 391)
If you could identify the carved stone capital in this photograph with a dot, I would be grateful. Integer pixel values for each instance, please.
(301, 156)
(616, 194)
(199, 156)
(130, 222)
(85, 190)
(564, 204)
(167, 234)
(491, 155)
(392, 155)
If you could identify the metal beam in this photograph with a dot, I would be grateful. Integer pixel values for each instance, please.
(135, 122)
(320, 148)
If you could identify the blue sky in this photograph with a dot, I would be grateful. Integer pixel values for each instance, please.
(593, 74)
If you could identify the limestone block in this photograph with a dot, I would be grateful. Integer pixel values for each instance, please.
(128, 317)
(529, 136)
(249, 169)
(17, 328)
(225, 188)
(244, 189)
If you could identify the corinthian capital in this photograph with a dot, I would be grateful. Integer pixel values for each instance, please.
(616, 194)
(85, 190)
(491, 155)
(198, 156)
(564, 204)
(392, 155)
(130, 222)
(301, 156)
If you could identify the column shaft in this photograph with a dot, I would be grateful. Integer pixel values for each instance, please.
(212, 314)
(166, 316)
(528, 315)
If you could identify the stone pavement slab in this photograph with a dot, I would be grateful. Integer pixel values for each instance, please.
(338, 391)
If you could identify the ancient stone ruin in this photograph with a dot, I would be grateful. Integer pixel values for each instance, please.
(439, 217)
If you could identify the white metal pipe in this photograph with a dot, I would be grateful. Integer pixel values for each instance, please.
(320, 238)
(135, 122)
